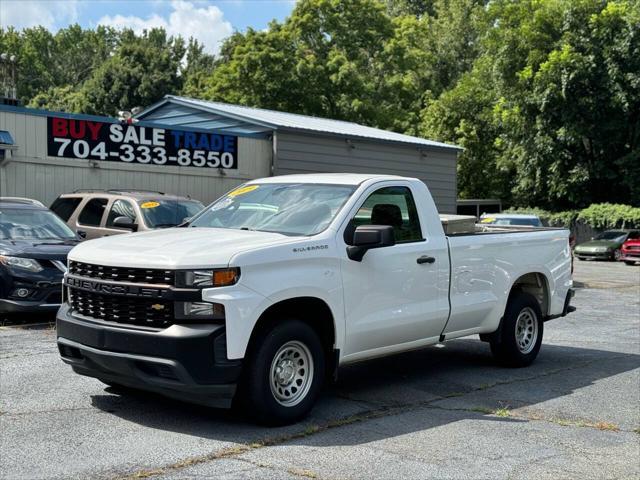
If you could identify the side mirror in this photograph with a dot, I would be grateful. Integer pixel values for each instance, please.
(367, 237)
(125, 223)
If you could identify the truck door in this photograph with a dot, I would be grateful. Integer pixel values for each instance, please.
(395, 294)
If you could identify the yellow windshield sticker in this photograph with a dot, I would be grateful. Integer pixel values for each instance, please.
(243, 190)
(488, 220)
(150, 205)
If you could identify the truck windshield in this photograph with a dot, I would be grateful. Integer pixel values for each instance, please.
(287, 208)
(163, 213)
(27, 224)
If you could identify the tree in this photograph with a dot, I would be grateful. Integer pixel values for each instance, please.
(417, 8)
(142, 70)
(197, 66)
(558, 90)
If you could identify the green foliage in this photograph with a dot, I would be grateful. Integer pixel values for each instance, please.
(543, 95)
(141, 72)
(103, 70)
(598, 215)
(558, 95)
(610, 215)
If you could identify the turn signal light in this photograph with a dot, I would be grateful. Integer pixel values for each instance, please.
(221, 277)
(225, 277)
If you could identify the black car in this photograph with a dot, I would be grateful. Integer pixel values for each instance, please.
(34, 244)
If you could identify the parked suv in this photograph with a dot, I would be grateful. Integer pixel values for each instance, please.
(33, 256)
(99, 213)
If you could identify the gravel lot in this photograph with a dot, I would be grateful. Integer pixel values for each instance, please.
(446, 412)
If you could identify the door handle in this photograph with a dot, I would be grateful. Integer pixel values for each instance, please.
(425, 259)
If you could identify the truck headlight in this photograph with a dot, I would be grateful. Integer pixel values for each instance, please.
(199, 311)
(18, 262)
(219, 277)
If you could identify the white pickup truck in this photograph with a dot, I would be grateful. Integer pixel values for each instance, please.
(265, 293)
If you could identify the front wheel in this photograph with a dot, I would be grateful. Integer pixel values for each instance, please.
(617, 255)
(521, 335)
(284, 374)
(627, 262)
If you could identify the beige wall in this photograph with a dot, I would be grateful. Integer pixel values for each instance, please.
(301, 153)
(29, 172)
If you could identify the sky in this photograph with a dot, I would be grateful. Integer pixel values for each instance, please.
(209, 21)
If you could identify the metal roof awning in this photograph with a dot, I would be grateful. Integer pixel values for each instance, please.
(183, 111)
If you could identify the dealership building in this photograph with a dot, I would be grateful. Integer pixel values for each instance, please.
(202, 149)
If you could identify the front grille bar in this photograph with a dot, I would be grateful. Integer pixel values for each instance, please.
(143, 301)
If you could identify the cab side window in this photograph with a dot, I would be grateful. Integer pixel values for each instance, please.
(92, 212)
(121, 208)
(392, 206)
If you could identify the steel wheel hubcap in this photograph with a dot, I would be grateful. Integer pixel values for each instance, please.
(526, 330)
(291, 373)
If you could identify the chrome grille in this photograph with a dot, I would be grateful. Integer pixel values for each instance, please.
(123, 274)
(120, 309)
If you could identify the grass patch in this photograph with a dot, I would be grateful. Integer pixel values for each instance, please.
(302, 473)
(502, 412)
(484, 410)
(606, 426)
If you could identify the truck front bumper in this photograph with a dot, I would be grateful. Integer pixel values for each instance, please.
(186, 362)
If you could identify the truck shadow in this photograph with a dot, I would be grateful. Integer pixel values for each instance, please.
(435, 386)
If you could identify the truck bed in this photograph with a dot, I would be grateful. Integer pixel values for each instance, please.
(485, 264)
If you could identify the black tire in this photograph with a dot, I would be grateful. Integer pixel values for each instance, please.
(256, 393)
(627, 262)
(615, 256)
(506, 348)
(582, 259)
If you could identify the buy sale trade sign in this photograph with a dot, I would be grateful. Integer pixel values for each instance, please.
(130, 143)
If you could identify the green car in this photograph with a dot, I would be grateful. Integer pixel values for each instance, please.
(606, 246)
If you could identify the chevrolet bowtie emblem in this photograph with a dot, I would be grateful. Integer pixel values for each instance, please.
(157, 306)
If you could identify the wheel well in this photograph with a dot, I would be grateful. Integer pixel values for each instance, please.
(311, 310)
(535, 284)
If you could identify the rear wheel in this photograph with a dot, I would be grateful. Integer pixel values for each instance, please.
(617, 254)
(521, 335)
(284, 374)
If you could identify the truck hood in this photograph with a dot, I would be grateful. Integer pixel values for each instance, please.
(174, 248)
